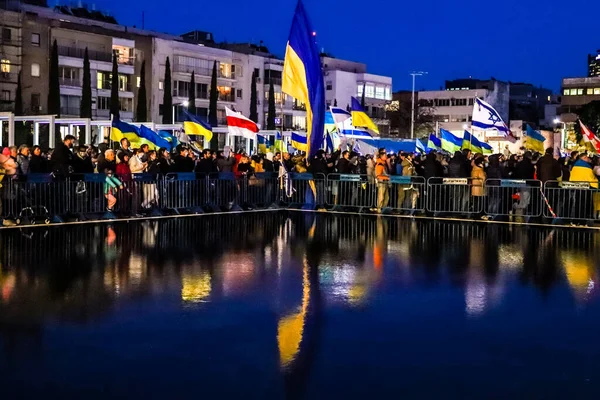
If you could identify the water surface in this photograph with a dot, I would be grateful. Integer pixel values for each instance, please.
(306, 306)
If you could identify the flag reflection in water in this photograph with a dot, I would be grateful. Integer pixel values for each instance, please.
(580, 273)
(195, 288)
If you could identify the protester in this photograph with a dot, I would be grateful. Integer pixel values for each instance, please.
(136, 163)
(548, 169)
(107, 161)
(206, 165)
(62, 156)
(81, 162)
(182, 163)
(382, 175)
(225, 164)
(23, 160)
(38, 164)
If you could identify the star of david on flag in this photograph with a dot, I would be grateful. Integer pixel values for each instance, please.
(487, 118)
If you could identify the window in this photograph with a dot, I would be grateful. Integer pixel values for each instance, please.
(201, 90)
(566, 92)
(442, 103)
(6, 95)
(329, 85)
(103, 80)
(359, 90)
(35, 102)
(5, 66)
(124, 83)
(388, 93)
(35, 39)
(35, 70)
(596, 91)
(125, 104)
(579, 92)
(459, 102)
(161, 86)
(239, 93)
(103, 103)
(380, 92)
(370, 91)
(181, 88)
(138, 82)
(589, 91)
(471, 101)
(6, 34)
(257, 72)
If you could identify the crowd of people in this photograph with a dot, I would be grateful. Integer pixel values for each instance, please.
(120, 165)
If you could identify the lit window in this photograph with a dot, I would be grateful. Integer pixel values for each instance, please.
(548, 99)
(370, 91)
(35, 70)
(5, 66)
(35, 39)
(161, 85)
(388, 93)
(597, 91)
(380, 92)
(103, 80)
(589, 91)
(138, 82)
(566, 92)
(579, 92)
(359, 91)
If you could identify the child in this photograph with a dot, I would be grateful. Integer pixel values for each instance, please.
(110, 188)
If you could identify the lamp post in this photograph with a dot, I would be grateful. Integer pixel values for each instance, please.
(563, 136)
(412, 121)
(185, 103)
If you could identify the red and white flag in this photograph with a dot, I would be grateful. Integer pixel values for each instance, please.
(589, 136)
(240, 125)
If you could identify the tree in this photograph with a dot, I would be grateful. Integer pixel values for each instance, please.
(399, 114)
(348, 108)
(253, 100)
(19, 97)
(335, 102)
(168, 95)
(22, 129)
(85, 107)
(141, 112)
(192, 95)
(362, 99)
(115, 105)
(212, 107)
(589, 114)
(54, 88)
(271, 110)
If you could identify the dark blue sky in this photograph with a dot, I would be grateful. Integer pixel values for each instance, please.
(519, 40)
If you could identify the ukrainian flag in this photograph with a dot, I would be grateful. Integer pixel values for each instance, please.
(450, 143)
(534, 140)
(152, 139)
(122, 130)
(193, 126)
(303, 77)
(299, 142)
(470, 142)
(434, 143)
(360, 118)
(487, 149)
(278, 142)
(169, 138)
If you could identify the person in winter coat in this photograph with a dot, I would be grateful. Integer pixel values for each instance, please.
(525, 168)
(81, 163)
(38, 164)
(244, 166)
(23, 160)
(457, 167)
(548, 169)
(343, 165)
(107, 162)
(478, 178)
(225, 164)
(62, 156)
(206, 165)
(432, 167)
(111, 185)
(136, 164)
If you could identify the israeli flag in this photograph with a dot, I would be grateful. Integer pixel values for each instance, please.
(487, 118)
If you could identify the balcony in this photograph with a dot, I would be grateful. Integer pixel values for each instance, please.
(70, 111)
(274, 81)
(8, 77)
(107, 85)
(7, 105)
(220, 74)
(12, 41)
(299, 107)
(227, 97)
(76, 52)
(74, 82)
(186, 69)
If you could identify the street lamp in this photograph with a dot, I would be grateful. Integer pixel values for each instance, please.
(185, 103)
(563, 136)
(412, 121)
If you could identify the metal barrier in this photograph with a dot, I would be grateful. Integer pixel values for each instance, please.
(571, 200)
(354, 191)
(309, 191)
(407, 193)
(223, 190)
(86, 194)
(463, 196)
(260, 190)
(184, 192)
(510, 197)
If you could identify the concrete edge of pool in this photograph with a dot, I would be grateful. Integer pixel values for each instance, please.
(408, 217)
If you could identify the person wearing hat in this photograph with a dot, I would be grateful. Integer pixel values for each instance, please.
(82, 163)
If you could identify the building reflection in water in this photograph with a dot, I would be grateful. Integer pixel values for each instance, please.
(299, 265)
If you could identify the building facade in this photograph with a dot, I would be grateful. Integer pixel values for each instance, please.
(11, 57)
(576, 93)
(594, 64)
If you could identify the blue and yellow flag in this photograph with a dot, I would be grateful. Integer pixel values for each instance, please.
(534, 140)
(450, 143)
(434, 143)
(122, 130)
(193, 126)
(360, 117)
(470, 142)
(169, 138)
(329, 122)
(299, 142)
(487, 149)
(278, 142)
(152, 139)
(303, 77)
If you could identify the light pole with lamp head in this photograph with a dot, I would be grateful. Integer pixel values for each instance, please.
(185, 103)
(412, 121)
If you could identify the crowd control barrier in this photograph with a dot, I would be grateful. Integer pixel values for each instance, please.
(350, 191)
(308, 191)
(407, 194)
(510, 197)
(455, 196)
(571, 200)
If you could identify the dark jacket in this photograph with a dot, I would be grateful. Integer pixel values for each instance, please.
(344, 166)
(154, 166)
(206, 166)
(225, 164)
(268, 165)
(432, 168)
(103, 165)
(318, 166)
(82, 166)
(164, 166)
(38, 165)
(524, 170)
(61, 158)
(457, 167)
(548, 169)
(245, 168)
(495, 170)
(183, 164)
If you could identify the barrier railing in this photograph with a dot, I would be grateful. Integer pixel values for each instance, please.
(309, 191)
(349, 191)
(183, 192)
(260, 190)
(457, 196)
(510, 197)
(407, 193)
(223, 191)
(572, 200)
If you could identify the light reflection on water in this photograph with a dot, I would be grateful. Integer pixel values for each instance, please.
(298, 305)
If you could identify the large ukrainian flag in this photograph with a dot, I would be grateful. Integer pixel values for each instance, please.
(122, 130)
(299, 142)
(450, 143)
(193, 126)
(470, 142)
(360, 117)
(303, 77)
(534, 140)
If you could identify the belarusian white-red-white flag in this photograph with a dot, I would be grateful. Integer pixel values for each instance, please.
(589, 136)
(240, 125)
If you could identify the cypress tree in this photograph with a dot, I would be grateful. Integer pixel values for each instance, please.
(253, 99)
(53, 83)
(19, 97)
(21, 128)
(192, 95)
(335, 102)
(212, 107)
(85, 107)
(168, 95)
(271, 110)
(362, 99)
(141, 113)
(115, 106)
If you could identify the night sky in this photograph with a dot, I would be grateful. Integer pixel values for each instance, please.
(518, 40)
